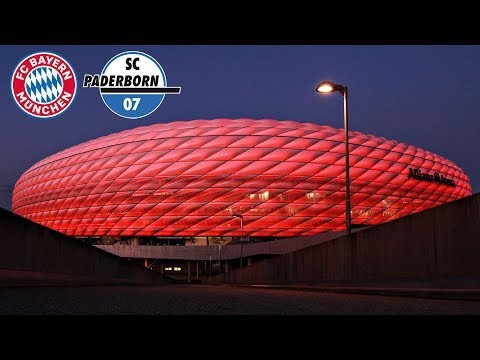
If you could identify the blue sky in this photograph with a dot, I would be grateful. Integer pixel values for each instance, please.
(426, 96)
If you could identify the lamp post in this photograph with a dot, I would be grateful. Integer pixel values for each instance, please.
(327, 87)
(241, 237)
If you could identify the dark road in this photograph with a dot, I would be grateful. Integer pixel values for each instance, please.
(214, 300)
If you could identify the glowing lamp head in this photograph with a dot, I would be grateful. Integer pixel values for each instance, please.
(326, 87)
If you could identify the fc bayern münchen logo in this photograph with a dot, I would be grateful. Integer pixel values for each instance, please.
(44, 85)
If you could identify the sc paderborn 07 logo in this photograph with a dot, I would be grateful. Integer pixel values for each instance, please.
(44, 85)
(132, 84)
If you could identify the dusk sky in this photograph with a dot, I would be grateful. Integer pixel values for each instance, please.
(426, 96)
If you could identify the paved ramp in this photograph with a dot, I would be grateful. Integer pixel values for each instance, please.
(434, 245)
(32, 253)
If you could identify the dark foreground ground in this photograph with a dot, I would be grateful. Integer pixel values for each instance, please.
(215, 300)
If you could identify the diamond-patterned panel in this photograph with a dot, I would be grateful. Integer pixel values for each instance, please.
(188, 178)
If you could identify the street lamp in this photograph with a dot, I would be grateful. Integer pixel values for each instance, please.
(327, 87)
(241, 237)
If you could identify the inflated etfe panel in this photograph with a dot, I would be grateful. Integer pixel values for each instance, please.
(189, 178)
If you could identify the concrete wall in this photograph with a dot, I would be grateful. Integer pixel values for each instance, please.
(31, 248)
(219, 252)
(439, 243)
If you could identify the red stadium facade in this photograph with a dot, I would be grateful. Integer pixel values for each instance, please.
(188, 179)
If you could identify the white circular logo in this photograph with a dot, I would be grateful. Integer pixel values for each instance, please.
(132, 84)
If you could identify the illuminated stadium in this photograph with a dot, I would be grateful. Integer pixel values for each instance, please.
(185, 180)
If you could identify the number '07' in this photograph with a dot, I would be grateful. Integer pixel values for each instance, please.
(131, 104)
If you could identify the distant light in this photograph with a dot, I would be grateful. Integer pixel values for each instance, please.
(325, 87)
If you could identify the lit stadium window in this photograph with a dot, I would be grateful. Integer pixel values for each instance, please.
(263, 196)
